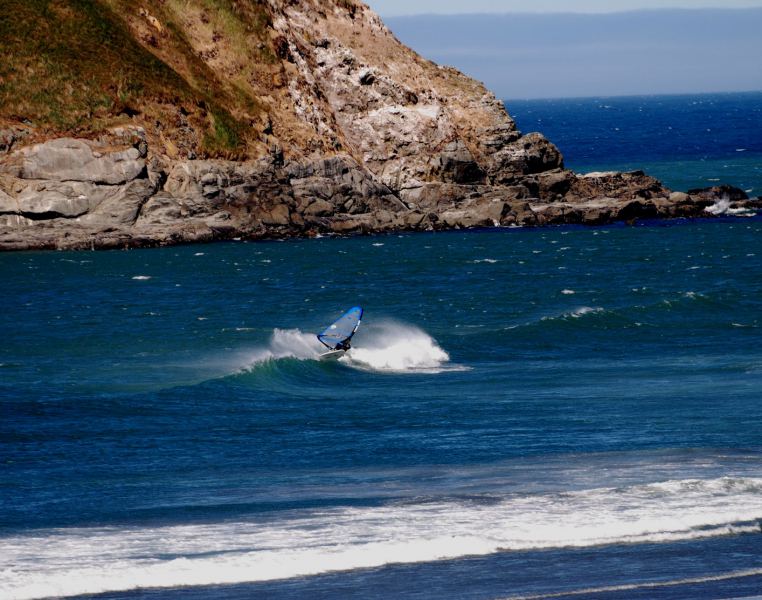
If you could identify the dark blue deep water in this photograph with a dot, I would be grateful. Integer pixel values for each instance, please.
(564, 412)
(686, 141)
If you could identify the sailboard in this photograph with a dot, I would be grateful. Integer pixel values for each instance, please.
(338, 335)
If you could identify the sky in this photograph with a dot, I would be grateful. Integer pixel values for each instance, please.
(389, 8)
(563, 55)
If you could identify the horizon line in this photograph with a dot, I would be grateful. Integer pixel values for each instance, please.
(575, 13)
(637, 95)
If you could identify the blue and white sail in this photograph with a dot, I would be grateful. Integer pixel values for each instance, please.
(337, 335)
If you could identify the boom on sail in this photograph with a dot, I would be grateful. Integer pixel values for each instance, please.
(338, 335)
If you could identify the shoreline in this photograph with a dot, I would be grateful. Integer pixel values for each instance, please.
(73, 194)
(117, 243)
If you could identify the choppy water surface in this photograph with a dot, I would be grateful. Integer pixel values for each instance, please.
(525, 413)
(690, 141)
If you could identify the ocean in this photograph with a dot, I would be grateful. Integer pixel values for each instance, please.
(687, 141)
(564, 412)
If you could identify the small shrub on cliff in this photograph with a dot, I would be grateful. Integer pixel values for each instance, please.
(225, 136)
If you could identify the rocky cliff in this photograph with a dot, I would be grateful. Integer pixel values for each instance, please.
(138, 124)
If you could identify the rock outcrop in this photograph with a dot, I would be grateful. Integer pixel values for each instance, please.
(357, 134)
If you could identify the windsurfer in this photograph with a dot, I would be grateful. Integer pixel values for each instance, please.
(338, 336)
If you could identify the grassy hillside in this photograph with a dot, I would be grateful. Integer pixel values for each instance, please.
(80, 66)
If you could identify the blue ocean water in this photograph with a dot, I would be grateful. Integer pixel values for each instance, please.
(563, 412)
(686, 141)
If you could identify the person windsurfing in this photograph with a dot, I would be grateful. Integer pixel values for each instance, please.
(337, 337)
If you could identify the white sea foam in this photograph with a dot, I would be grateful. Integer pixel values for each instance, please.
(142, 277)
(67, 562)
(382, 346)
(285, 343)
(576, 313)
(722, 207)
(392, 346)
(585, 310)
(568, 292)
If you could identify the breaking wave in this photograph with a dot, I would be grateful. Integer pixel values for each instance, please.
(67, 562)
(723, 207)
(386, 346)
(390, 346)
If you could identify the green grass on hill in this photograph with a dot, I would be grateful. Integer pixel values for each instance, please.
(73, 66)
(72, 62)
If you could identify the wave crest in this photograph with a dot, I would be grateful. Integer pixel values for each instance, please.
(576, 313)
(390, 346)
(383, 346)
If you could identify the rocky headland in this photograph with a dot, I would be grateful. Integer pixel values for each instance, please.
(272, 118)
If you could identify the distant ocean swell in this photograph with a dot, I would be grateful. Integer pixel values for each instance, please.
(686, 141)
(654, 311)
(68, 562)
